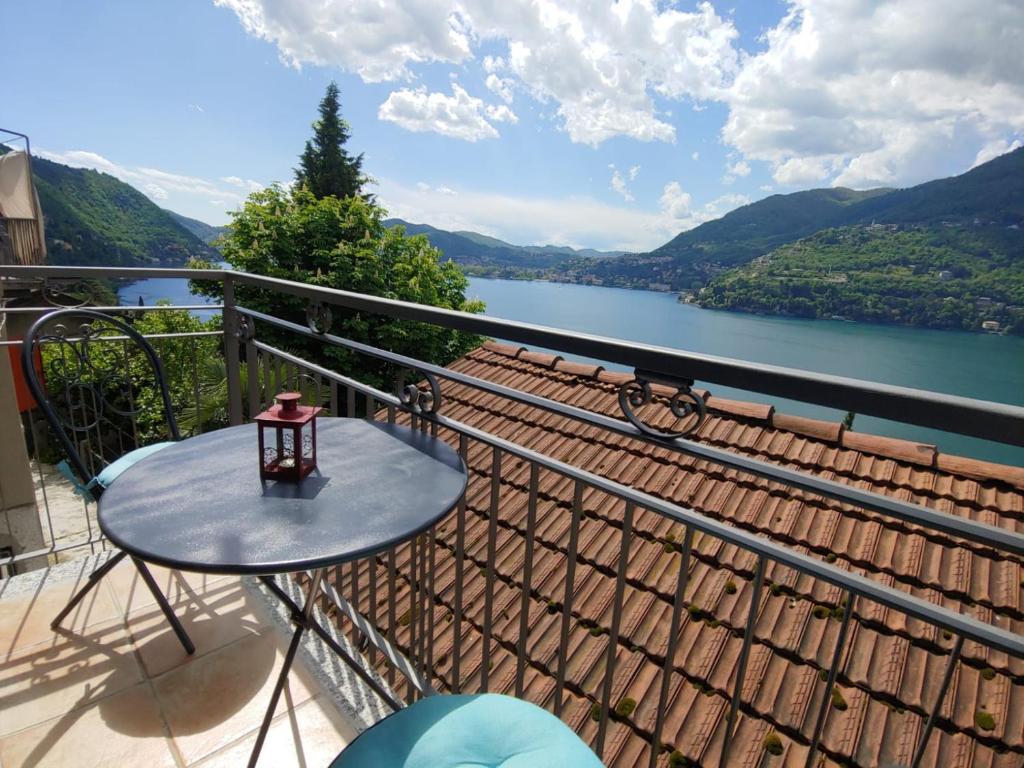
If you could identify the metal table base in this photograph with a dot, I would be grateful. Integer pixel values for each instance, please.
(302, 617)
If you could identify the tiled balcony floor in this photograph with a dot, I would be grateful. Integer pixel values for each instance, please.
(114, 687)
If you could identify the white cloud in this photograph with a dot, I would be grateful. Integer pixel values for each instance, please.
(500, 114)
(580, 222)
(196, 108)
(618, 183)
(459, 116)
(740, 168)
(602, 66)
(500, 86)
(867, 93)
(674, 201)
(377, 39)
(634, 171)
(447, 191)
(994, 149)
(695, 156)
(174, 190)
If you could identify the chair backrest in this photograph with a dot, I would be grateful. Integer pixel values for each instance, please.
(98, 373)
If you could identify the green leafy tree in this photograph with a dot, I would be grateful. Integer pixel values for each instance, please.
(325, 166)
(123, 375)
(343, 243)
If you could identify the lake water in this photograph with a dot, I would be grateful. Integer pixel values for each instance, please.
(982, 366)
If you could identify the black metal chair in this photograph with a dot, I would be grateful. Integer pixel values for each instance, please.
(92, 401)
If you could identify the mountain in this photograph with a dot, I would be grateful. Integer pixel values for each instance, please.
(205, 232)
(957, 276)
(93, 218)
(992, 192)
(487, 256)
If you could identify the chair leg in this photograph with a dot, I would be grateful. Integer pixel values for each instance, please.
(165, 606)
(93, 580)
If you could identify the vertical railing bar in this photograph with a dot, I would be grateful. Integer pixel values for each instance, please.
(668, 665)
(391, 414)
(429, 584)
(524, 608)
(492, 536)
(391, 610)
(613, 633)
(421, 615)
(335, 405)
(355, 596)
(131, 398)
(460, 545)
(947, 676)
(369, 407)
(741, 669)
(570, 578)
(42, 482)
(833, 673)
(268, 383)
(350, 402)
(252, 375)
(413, 614)
(373, 604)
(231, 319)
(195, 386)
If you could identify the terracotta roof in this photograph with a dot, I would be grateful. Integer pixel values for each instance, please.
(893, 665)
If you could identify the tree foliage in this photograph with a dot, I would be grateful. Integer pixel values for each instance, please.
(343, 243)
(939, 277)
(325, 166)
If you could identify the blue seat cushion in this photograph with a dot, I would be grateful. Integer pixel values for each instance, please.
(482, 731)
(115, 469)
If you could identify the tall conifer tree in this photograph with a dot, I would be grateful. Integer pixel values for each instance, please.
(325, 166)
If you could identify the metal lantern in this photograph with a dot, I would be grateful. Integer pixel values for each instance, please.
(288, 452)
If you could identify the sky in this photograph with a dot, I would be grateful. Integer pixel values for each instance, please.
(611, 125)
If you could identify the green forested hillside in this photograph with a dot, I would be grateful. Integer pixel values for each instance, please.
(487, 256)
(991, 193)
(94, 219)
(205, 232)
(939, 276)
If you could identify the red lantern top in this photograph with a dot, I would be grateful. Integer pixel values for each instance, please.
(288, 412)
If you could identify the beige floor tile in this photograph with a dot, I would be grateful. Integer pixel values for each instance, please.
(310, 736)
(222, 696)
(121, 730)
(66, 673)
(220, 614)
(25, 619)
(132, 594)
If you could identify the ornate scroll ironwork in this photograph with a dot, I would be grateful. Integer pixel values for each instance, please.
(683, 404)
(319, 317)
(422, 401)
(56, 292)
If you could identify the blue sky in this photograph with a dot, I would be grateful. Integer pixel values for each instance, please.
(567, 121)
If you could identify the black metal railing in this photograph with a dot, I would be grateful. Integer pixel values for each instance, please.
(393, 604)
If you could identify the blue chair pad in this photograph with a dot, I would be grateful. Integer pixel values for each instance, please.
(115, 469)
(482, 731)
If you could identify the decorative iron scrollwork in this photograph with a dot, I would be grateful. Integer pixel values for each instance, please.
(319, 317)
(683, 404)
(425, 401)
(56, 292)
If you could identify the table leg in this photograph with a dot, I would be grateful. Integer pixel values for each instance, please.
(326, 637)
(301, 622)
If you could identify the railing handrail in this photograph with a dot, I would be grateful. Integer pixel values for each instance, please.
(972, 629)
(1001, 539)
(1000, 422)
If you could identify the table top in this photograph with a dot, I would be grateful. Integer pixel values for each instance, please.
(199, 505)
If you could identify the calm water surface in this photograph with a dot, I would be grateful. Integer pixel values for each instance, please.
(974, 365)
